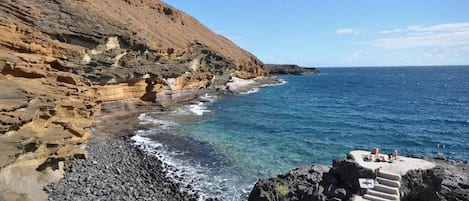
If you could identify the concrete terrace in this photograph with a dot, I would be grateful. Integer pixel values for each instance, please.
(389, 175)
(400, 166)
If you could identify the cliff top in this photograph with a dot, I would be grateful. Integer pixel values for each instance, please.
(400, 166)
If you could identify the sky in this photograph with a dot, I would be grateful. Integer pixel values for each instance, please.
(341, 33)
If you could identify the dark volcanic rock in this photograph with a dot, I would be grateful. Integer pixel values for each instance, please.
(347, 173)
(313, 183)
(446, 181)
(298, 184)
(116, 170)
(291, 69)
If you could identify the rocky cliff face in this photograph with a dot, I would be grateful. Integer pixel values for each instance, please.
(60, 59)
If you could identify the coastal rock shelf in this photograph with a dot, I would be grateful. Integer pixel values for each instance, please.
(409, 179)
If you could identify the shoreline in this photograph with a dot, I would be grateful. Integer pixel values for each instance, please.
(116, 160)
(183, 190)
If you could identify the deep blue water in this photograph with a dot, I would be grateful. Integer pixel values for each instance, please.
(314, 119)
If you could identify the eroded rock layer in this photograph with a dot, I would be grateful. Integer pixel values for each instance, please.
(60, 60)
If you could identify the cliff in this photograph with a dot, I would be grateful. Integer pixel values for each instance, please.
(282, 69)
(61, 60)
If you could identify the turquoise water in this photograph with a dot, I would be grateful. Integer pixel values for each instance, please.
(314, 119)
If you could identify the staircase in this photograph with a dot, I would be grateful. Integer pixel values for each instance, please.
(386, 188)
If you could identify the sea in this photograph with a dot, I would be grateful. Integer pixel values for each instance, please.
(220, 146)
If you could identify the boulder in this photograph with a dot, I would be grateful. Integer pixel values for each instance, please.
(446, 181)
(298, 184)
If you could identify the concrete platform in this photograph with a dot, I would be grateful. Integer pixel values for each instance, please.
(399, 166)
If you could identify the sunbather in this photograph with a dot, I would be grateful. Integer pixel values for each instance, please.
(374, 155)
(394, 155)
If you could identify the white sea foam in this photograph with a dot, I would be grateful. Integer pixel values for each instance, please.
(199, 109)
(251, 91)
(193, 178)
(146, 118)
(176, 167)
(257, 89)
(282, 82)
(209, 97)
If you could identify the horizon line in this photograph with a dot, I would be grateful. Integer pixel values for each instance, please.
(388, 66)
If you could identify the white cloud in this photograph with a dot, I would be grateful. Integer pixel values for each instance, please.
(348, 31)
(450, 27)
(432, 40)
(443, 53)
(391, 31)
(440, 35)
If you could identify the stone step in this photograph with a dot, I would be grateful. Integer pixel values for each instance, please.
(358, 198)
(386, 189)
(382, 195)
(374, 198)
(388, 182)
(389, 175)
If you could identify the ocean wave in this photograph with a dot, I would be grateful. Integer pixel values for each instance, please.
(251, 91)
(199, 108)
(208, 97)
(148, 118)
(282, 82)
(257, 89)
(192, 177)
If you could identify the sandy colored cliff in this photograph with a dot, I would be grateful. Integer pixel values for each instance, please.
(61, 60)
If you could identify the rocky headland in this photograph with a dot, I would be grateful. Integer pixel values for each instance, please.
(290, 69)
(67, 66)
